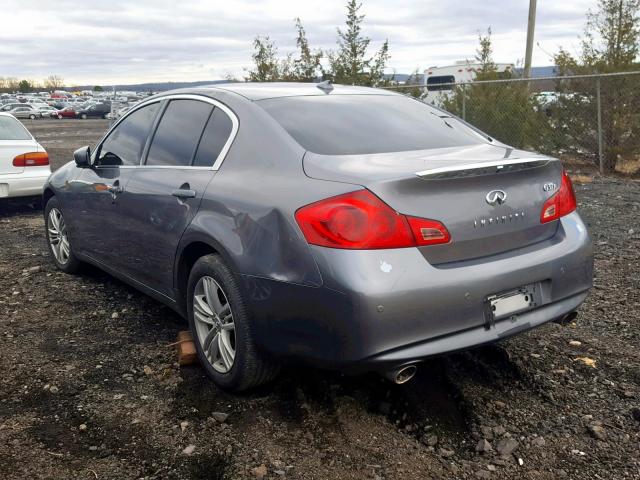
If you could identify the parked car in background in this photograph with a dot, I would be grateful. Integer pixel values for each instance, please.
(25, 111)
(47, 111)
(97, 110)
(10, 106)
(24, 163)
(348, 227)
(66, 112)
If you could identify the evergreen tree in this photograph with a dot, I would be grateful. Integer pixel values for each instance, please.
(350, 64)
(610, 44)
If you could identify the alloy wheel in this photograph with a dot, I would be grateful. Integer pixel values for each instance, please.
(214, 324)
(58, 236)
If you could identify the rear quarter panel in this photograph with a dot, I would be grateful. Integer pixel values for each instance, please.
(248, 209)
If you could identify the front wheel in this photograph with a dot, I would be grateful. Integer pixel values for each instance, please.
(32, 117)
(57, 239)
(221, 328)
(83, 116)
(59, 117)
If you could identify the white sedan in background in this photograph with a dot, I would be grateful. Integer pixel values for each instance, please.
(24, 163)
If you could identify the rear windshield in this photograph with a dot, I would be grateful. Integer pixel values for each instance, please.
(366, 124)
(12, 129)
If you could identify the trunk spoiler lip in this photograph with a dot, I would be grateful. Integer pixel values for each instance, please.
(483, 168)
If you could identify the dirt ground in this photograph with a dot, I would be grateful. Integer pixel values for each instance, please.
(90, 388)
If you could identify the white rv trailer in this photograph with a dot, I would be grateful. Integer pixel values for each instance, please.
(439, 80)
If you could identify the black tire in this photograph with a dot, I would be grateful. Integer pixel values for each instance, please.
(83, 116)
(32, 117)
(249, 368)
(72, 264)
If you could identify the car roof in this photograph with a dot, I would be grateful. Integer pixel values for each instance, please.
(262, 91)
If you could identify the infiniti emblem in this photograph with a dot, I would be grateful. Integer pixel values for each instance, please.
(496, 197)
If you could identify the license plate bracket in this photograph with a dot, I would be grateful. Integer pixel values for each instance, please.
(510, 303)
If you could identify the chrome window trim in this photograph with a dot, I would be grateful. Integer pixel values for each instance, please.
(435, 172)
(235, 124)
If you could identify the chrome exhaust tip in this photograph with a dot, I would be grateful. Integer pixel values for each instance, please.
(401, 375)
(567, 319)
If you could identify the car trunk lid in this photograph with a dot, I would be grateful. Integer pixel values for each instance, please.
(488, 196)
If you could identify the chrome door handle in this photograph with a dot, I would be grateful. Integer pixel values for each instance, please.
(183, 193)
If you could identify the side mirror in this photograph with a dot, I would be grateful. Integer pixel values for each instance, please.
(82, 156)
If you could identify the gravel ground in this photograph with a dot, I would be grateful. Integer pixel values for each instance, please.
(90, 388)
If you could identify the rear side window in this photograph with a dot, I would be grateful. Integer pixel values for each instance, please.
(125, 143)
(12, 129)
(366, 124)
(178, 133)
(214, 138)
(440, 82)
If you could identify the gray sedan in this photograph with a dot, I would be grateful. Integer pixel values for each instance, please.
(345, 227)
(25, 112)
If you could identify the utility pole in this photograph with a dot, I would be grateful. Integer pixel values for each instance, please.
(530, 32)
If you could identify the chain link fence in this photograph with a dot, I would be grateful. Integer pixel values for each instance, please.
(594, 118)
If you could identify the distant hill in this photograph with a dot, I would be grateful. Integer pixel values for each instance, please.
(537, 72)
(162, 86)
(152, 86)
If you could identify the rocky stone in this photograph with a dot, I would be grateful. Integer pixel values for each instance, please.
(446, 453)
(483, 446)
(597, 432)
(260, 472)
(575, 343)
(506, 446)
(189, 450)
(220, 417)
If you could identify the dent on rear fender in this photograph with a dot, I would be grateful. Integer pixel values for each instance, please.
(261, 242)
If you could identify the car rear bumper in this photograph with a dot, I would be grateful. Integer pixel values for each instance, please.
(382, 308)
(24, 184)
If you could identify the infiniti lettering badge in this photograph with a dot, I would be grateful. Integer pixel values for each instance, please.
(496, 197)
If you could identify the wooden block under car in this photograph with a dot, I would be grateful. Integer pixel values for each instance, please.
(186, 348)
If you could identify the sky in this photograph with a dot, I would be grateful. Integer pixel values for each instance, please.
(132, 41)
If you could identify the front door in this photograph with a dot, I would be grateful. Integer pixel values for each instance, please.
(100, 191)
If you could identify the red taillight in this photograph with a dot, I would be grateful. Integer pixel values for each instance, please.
(33, 159)
(360, 220)
(561, 203)
(428, 232)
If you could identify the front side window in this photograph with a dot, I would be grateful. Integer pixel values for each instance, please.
(125, 143)
(11, 129)
(214, 138)
(440, 82)
(178, 133)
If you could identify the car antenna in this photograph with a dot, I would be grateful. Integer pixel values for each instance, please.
(325, 86)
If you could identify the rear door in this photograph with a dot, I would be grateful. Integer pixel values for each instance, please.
(164, 194)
